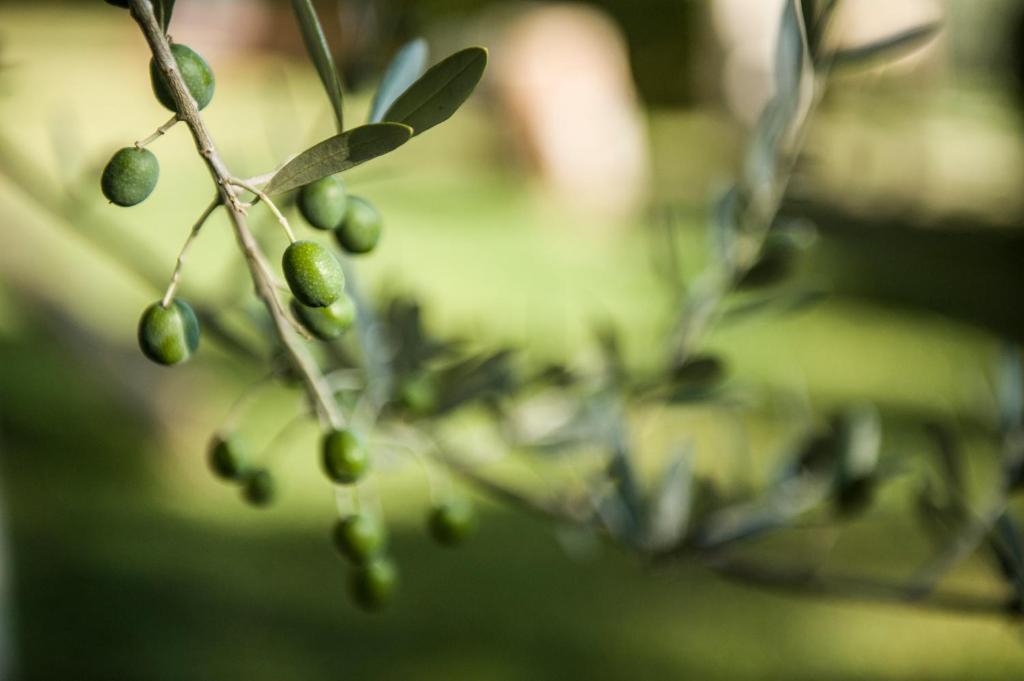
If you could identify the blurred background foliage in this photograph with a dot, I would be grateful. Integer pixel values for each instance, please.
(123, 558)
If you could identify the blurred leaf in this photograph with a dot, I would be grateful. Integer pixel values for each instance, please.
(475, 378)
(1005, 543)
(320, 54)
(339, 153)
(861, 433)
(789, 59)
(406, 66)
(164, 10)
(623, 477)
(700, 371)
(889, 48)
(440, 91)
(1010, 389)
(726, 225)
(670, 507)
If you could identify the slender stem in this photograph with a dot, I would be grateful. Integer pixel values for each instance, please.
(176, 275)
(159, 132)
(281, 219)
(263, 281)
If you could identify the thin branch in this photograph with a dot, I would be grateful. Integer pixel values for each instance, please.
(263, 282)
(193, 233)
(281, 219)
(160, 132)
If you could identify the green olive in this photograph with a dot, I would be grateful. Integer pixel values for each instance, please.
(360, 538)
(314, 275)
(418, 393)
(130, 176)
(169, 335)
(258, 488)
(228, 457)
(345, 459)
(195, 72)
(326, 323)
(323, 202)
(359, 232)
(451, 522)
(372, 586)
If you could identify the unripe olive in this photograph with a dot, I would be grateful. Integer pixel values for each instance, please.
(359, 232)
(195, 72)
(228, 457)
(130, 176)
(314, 275)
(326, 323)
(451, 522)
(323, 202)
(360, 538)
(169, 335)
(345, 459)
(258, 488)
(372, 586)
(418, 393)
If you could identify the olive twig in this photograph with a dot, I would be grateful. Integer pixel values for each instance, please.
(193, 233)
(281, 219)
(317, 389)
(160, 132)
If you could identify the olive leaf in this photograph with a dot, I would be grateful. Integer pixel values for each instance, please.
(888, 48)
(789, 59)
(339, 153)
(440, 91)
(320, 53)
(164, 10)
(406, 66)
(672, 502)
(1010, 389)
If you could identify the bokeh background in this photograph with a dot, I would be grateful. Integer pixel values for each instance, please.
(522, 221)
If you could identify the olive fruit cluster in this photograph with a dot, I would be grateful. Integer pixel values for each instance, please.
(326, 205)
(362, 540)
(229, 460)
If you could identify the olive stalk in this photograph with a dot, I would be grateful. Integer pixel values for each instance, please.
(281, 219)
(262, 276)
(158, 133)
(180, 263)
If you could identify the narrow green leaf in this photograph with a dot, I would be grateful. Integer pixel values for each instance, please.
(165, 8)
(408, 64)
(888, 48)
(440, 91)
(1010, 389)
(789, 59)
(671, 505)
(339, 153)
(320, 53)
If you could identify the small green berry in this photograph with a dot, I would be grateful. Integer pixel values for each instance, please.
(195, 72)
(323, 202)
(452, 522)
(313, 273)
(360, 230)
(418, 393)
(228, 457)
(258, 488)
(345, 459)
(169, 335)
(130, 176)
(373, 586)
(360, 538)
(326, 323)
